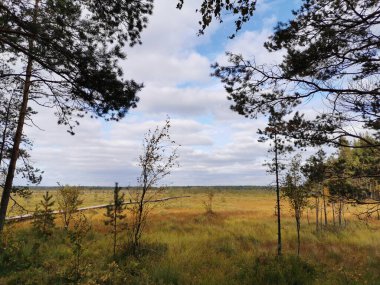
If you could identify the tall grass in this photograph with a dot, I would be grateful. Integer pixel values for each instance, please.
(184, 245)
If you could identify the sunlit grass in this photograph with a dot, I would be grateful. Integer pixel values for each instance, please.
(234, 245)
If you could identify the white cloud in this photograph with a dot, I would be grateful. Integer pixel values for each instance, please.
(101, 153)
(250, 45)
(163, 69)
(219, 147)
(190, 101)
(167, 55)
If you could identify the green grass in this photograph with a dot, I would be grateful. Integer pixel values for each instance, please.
(183, 245)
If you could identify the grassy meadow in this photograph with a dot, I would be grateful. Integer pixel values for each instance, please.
(182, 244)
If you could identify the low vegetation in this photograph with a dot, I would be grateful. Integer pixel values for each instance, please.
(183, 244)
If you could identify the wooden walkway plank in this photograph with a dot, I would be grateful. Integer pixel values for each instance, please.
(30, 216)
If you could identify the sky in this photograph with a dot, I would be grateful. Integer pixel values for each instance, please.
(218, 146)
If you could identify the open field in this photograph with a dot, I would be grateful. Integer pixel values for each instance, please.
(235, 245)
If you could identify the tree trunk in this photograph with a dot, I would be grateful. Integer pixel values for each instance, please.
(298, 222)
(343, 218)
(324, 205)
(139, 221)
(316, 214)
(333, 212)
(20, 125)
(138, 225)
(15, 151)
(340, 213)
(321, 218)
(115, 196)
(279, 244)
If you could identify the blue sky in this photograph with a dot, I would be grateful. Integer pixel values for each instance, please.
(219, 147)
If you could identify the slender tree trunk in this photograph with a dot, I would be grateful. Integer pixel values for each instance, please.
(115, 220)
(139, 220)
(324, 205)
(114, 237)
(20, 125)
(279, 244)
(317, 214)
(138, 225)
(333, 212)
(343, 217)
(307, 216)
(321, 218)
(340, 213)
(298, 222)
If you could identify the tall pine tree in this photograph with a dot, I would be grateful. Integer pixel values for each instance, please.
(69, 52)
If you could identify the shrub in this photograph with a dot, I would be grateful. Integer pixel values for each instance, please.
(68, 202)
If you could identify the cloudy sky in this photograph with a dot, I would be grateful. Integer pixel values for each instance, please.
(218, 147)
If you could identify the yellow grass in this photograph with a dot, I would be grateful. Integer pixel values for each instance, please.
(218, 248)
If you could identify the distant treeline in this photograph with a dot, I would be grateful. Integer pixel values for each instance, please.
(170, 188)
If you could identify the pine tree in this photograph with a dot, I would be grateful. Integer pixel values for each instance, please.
(315, 171)
(279, 149)
(331, 57)
(216, 10)
(296, 193)
(115, 215)
(43, 221)
(69, 52)
(77, 237)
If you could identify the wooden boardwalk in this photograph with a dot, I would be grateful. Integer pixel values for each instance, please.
(30, 216)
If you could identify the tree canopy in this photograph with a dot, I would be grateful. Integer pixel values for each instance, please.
(216, 10)
(74, 46)
(331, 57)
